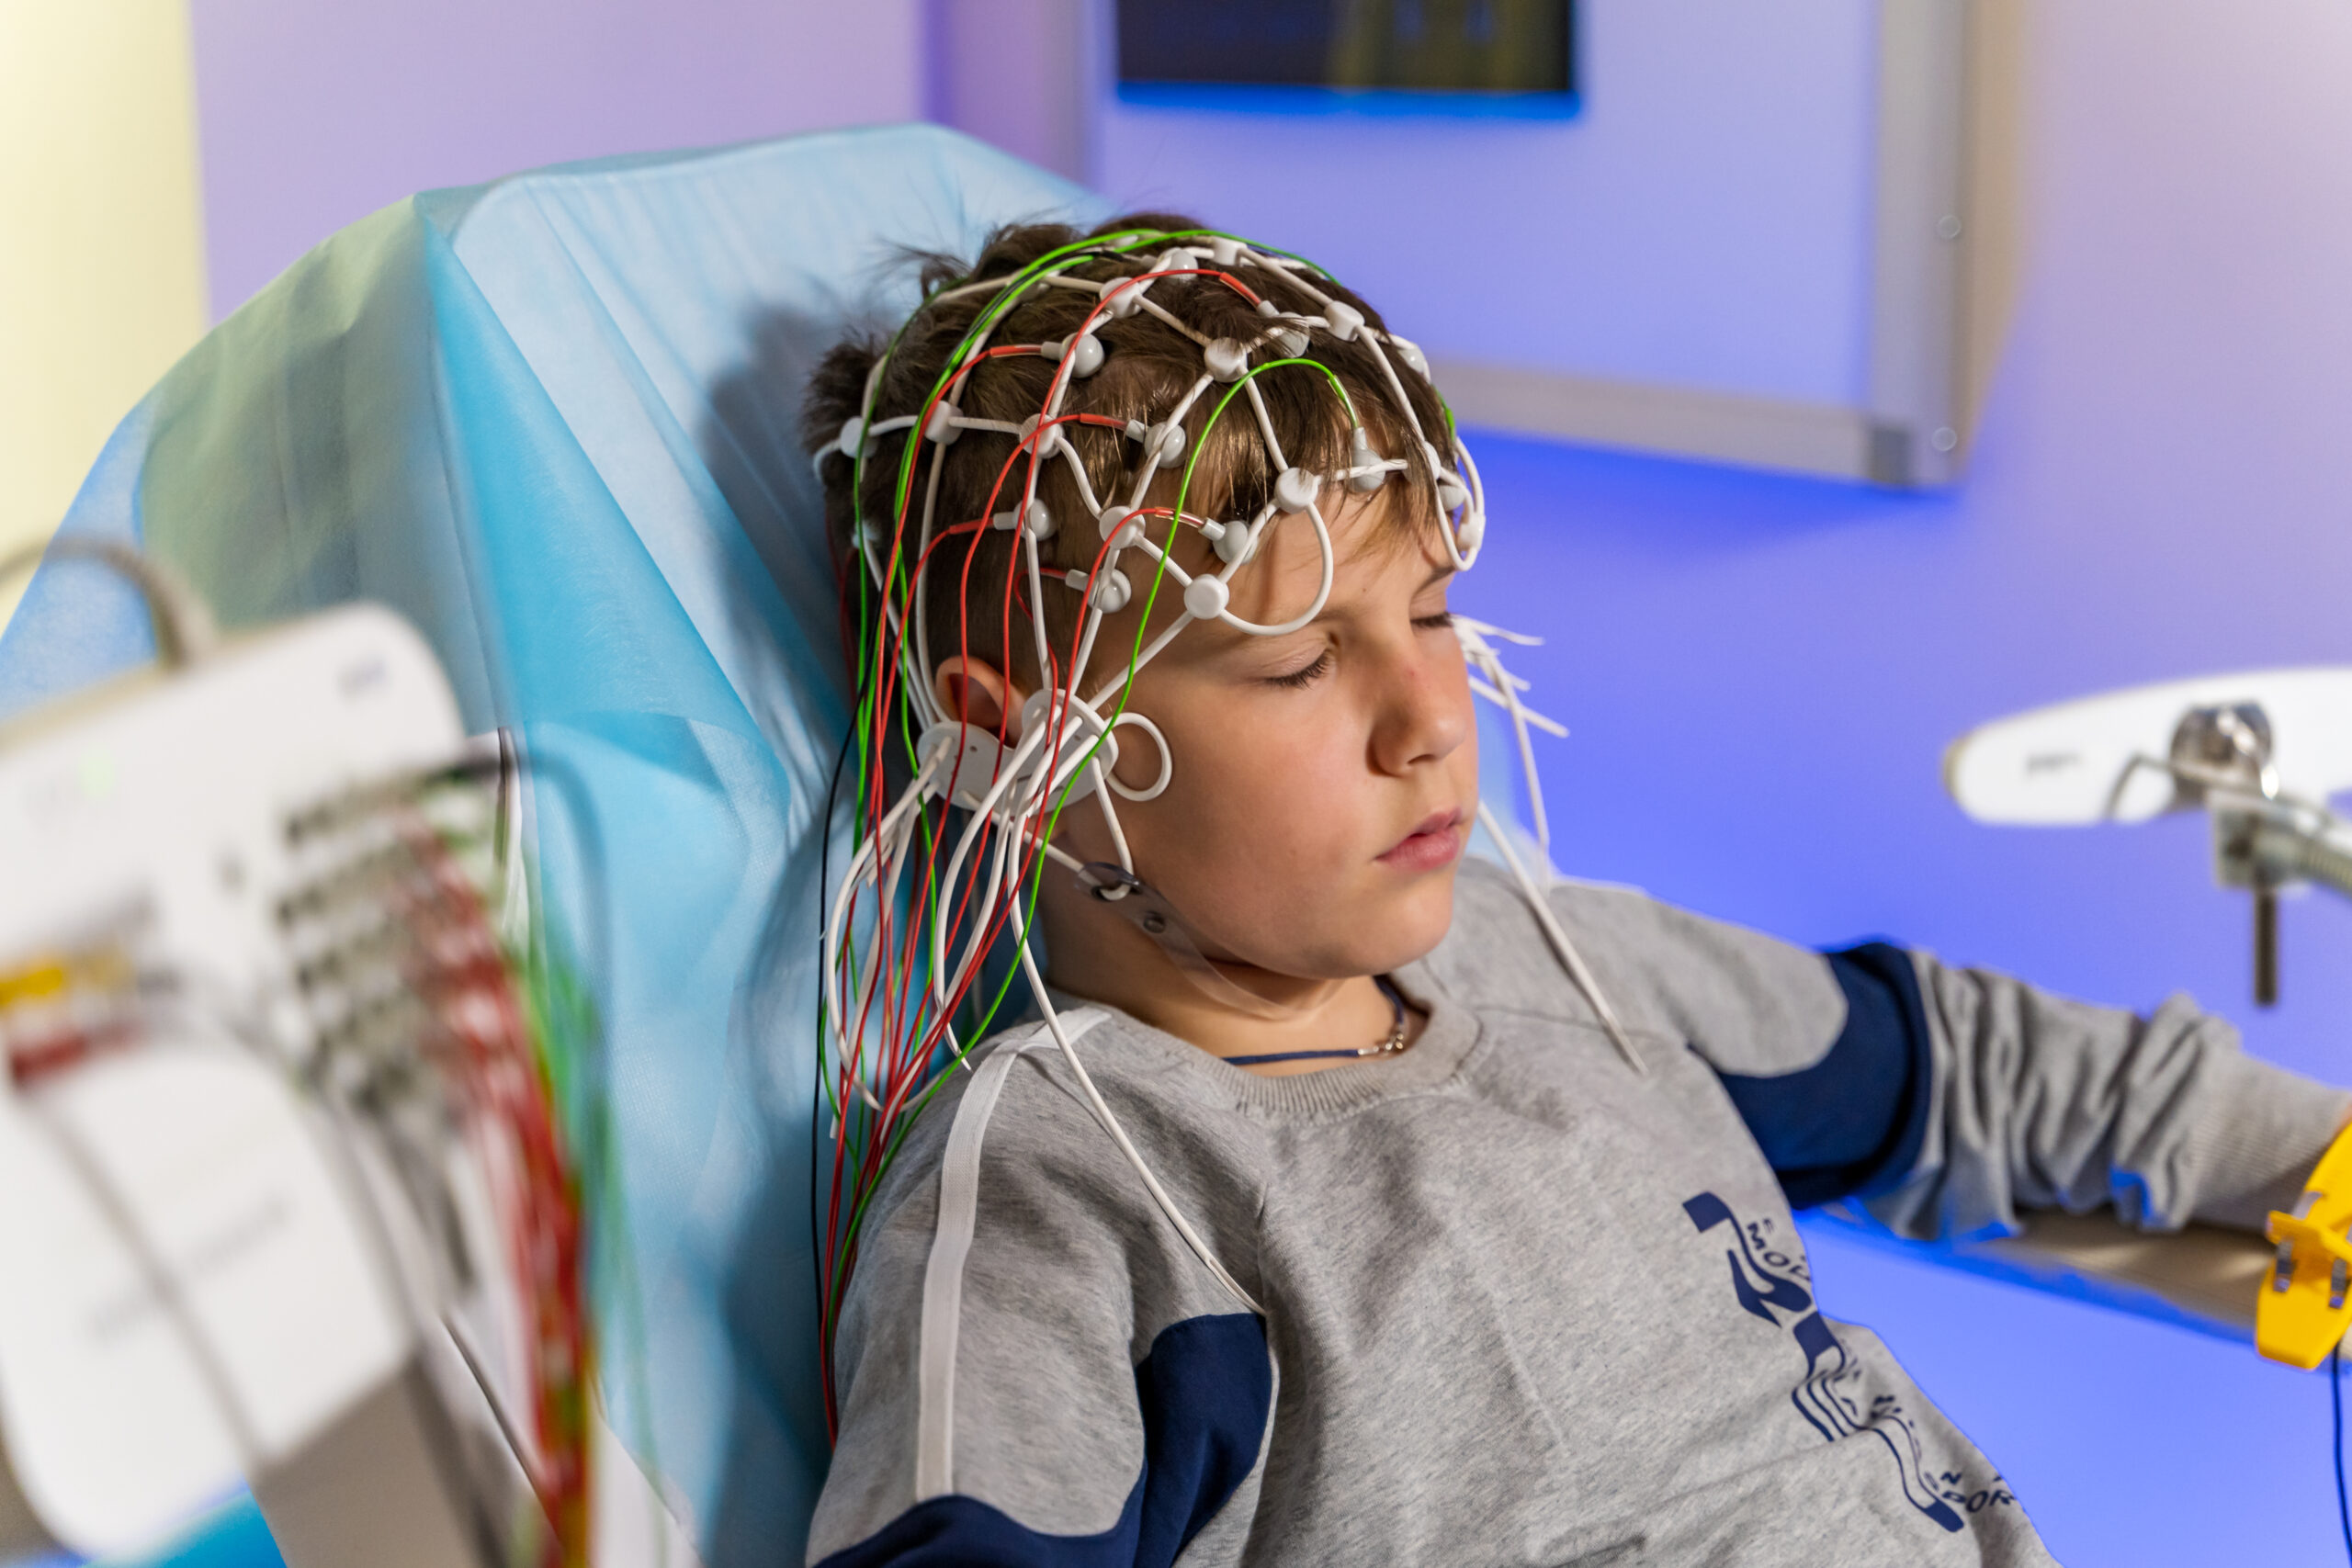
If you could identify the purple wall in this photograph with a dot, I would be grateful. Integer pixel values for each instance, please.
(313, 114)
(1007, 71)
(1761, 673)
(1703, 221)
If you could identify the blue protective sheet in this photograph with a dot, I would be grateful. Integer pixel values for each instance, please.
(552, 420)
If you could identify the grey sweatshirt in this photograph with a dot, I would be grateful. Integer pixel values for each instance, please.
(1521, 1305)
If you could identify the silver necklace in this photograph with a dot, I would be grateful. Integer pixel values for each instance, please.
(1400, 1023)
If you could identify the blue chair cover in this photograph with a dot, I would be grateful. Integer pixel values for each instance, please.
(553, 419)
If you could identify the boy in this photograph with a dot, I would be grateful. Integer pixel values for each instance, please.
(1349, 1206)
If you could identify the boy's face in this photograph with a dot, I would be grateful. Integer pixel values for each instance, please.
(1325, 782)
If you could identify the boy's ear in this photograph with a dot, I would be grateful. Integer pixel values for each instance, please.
(978, 692)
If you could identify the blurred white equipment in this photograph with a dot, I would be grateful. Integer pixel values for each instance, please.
(284, 1197)
(2260, 752)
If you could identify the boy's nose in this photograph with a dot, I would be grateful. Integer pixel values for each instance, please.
(1425, 714)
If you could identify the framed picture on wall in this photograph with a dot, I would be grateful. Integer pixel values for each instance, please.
(1768, 235)
(1513, 56)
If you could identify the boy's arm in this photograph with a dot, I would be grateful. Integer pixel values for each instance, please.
(1020, 1337)
(1947, 1100)
(2037, 1101)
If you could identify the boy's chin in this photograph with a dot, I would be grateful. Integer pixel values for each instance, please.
(1419, 923)
(1392, 934)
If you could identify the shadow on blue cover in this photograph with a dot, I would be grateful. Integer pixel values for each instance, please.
(553, 419)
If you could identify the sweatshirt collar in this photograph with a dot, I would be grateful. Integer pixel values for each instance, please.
(1434, 1059)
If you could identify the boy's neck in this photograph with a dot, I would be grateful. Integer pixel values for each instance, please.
(1106, 960)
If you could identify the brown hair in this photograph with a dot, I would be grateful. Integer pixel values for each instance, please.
(1148, 365)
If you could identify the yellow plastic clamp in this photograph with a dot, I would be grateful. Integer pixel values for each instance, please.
(2306, 1301)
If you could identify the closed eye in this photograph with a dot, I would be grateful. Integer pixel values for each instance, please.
(1303, 677)
(1434, 623)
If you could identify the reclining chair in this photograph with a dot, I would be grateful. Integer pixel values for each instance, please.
(553, 421)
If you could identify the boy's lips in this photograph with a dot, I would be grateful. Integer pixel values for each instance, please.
(1434, 842)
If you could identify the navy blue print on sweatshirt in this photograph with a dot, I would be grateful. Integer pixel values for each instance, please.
(1767, 1283)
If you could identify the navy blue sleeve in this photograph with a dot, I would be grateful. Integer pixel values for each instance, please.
(1205, 1390)
(1852, 1123)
